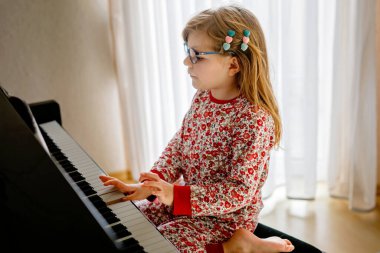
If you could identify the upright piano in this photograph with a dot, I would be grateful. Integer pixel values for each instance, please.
(51, 198)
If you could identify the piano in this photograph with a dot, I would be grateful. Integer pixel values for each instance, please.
(51, 197)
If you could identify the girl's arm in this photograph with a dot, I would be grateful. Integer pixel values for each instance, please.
(252, 142)
(168, 166)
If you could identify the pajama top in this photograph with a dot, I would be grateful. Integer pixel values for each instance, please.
(222, 151)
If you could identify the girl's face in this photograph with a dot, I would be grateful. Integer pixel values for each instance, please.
(211, 72)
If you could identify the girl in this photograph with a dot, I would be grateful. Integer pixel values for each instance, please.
(223, 147)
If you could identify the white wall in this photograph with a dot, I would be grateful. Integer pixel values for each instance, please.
(62, 50)
(378, 90)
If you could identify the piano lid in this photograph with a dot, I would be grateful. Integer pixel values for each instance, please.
(38, 208)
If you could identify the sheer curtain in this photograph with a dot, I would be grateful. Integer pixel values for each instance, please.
(352, 164)
(322, 68)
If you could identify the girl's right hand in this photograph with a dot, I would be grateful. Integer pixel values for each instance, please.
(133, 191)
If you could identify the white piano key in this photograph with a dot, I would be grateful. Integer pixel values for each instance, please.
(119, 205)
(112, 196)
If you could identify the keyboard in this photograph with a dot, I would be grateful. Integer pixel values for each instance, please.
(132, 231)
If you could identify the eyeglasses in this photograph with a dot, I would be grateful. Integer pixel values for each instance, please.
(193, 55)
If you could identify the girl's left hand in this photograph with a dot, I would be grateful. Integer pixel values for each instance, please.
(162, 189)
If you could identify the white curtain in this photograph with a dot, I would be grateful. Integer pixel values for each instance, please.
(352, 165)
(322, 67)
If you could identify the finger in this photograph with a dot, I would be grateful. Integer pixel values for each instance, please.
(154, 184)
(158, 193)
(132, 196)
(127, 198)
(104, 178)
(111, 182)
(142, 177)
(149, 176)
(154, 190)
(114, 201)
(118, 184)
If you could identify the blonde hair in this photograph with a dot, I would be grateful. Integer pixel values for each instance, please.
(253, 79)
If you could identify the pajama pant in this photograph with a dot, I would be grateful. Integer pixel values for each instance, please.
(188, 234)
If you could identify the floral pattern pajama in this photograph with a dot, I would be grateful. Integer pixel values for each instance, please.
(222, 151)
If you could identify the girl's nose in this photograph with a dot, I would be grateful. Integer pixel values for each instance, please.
(187, 62)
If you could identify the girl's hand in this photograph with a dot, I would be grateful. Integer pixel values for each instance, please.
(134, 191)
(162, 189)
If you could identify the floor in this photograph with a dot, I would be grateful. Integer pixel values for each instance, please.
(326, 222)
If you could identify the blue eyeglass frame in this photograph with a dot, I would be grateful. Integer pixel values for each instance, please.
(194, 57)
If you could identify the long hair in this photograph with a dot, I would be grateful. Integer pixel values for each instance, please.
(253, 78)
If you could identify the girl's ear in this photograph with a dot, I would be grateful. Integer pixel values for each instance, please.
(234, 66)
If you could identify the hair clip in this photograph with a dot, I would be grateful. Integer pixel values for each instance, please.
(228, 39)
(244, 45)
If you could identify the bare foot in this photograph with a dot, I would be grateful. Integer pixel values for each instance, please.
(243, 241)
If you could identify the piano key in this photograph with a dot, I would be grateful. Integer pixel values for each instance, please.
(112, 196)
(132, 245)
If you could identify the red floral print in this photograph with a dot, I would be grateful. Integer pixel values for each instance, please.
(222, 151)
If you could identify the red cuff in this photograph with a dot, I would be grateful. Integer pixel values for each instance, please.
(181, 201)
(158, 173)
(214, 248)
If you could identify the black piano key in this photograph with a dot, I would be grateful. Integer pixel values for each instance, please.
(135, 249)
(65, 162)
(60, 157)
(50, 143)
(130, 242)
(104, 209)
(95, 198)
(76, 176)
(97, 201)
(83, 183)
(88, 191)
(98, 204)
(57, 152)
(132, 245)
(121, 230)
(123, 233)
(48, 139)
(86, 188)
(53, 149)
(111, 219)
(118, 227)
(69, 168)
(108, 214)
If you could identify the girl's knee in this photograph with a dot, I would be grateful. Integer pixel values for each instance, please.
(183, 236)
(156, 213)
